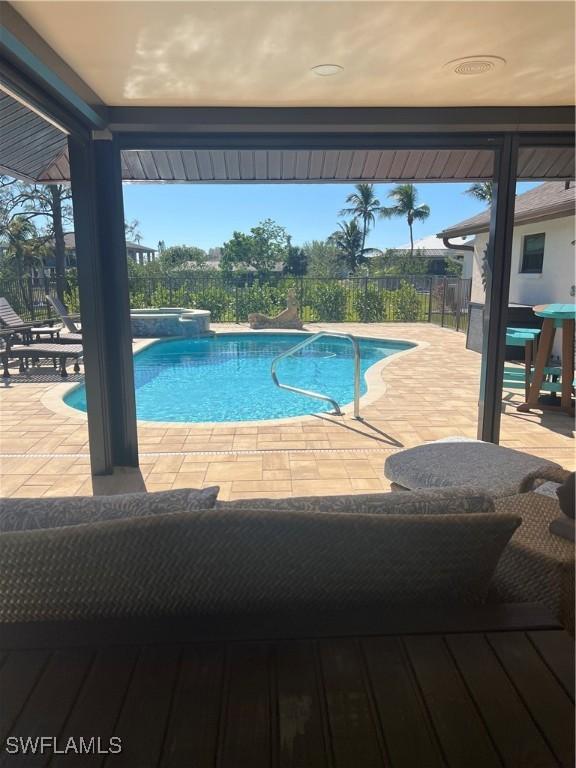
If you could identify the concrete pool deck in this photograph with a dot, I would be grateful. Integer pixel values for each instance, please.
(421, 395)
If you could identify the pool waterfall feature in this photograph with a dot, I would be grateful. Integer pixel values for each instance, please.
(227, 377)
(166, 322)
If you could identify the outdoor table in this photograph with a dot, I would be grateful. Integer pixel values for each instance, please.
(554, 316)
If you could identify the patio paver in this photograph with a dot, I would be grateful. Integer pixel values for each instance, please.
(430, 393)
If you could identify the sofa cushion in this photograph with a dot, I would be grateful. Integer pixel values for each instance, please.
(29, 514)
(435, 501)
(485, 466)
(226, 562)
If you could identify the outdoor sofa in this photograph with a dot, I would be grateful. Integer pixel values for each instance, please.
(538, 564)
(183, 553)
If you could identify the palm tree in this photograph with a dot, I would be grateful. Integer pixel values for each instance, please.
(481, 190)
(23, 247)
(348, 242)
(406, 205)
(364, 205)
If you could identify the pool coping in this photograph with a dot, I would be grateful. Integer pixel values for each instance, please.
(376, 387)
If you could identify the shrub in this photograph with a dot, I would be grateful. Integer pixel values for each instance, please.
(328, 302)
(218, 301)
(369, 305)
(405, 303)
(266, 299)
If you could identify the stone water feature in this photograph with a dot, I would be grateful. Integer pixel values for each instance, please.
(170, 321)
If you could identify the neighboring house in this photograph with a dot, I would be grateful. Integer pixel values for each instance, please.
(432, 247)
(141, 254)
(543, 254)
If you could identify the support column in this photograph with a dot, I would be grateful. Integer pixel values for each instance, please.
(498, 258)
(95, 172)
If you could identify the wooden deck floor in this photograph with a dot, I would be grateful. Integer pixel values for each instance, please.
(416, 701)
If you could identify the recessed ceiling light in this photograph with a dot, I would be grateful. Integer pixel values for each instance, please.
(327, 70)
(475, 65)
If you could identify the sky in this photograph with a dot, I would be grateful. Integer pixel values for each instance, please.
(207, 215)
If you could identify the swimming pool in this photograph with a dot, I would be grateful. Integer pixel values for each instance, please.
(227, 377)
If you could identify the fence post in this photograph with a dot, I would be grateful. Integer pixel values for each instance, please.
(458, 302)
(237, 313)
(46, 286)
(30, 297)
(443, 303)
(170, 290)
(430, 283)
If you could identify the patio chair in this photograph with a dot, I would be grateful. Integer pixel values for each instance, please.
(26, 353)
(10, 319)
(70, 321)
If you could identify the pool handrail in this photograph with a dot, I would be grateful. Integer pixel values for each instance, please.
(309, 393)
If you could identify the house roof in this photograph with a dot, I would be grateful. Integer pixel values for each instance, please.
(551, 200)
(70, 242)
(433, 247)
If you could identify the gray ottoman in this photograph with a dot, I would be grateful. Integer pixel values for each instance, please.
(446, 463)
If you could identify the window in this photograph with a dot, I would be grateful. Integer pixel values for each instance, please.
(533, 253)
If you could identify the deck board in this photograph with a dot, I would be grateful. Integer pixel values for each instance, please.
(354, 732)
(98, 706)
(516, 737)
(463, 735)
(51, 702)
(400, 706)
(453, 700)
(247, 720)
(146, 708)
(192, 732)
(547, 701)
(555, 647)
(302, 736)
(18, 676)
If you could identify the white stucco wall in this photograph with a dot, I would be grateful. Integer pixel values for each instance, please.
(558, 270)
(558, 275)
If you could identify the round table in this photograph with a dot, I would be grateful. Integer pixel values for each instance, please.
(554, 316)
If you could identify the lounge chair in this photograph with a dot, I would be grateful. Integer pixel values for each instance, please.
(10, 319)
(70, 321)
(26, 353)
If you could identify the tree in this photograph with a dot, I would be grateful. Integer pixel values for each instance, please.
(323, 259)
(237, 253)
(396, 262)
(132, 230)
(23, 247)
(51, 204)
(405, 197)
(364, 206)
(348, 242)
(176, 256)
(481, 190)
(296, 261)
(264, 249)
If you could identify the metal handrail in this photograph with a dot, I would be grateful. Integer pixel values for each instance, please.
(317, 395)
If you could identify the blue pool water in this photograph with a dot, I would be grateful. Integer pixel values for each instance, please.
(227, 377)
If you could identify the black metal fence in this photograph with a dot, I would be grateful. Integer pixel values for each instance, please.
(410, 298)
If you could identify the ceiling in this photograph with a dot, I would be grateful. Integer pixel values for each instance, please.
(260, 53)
